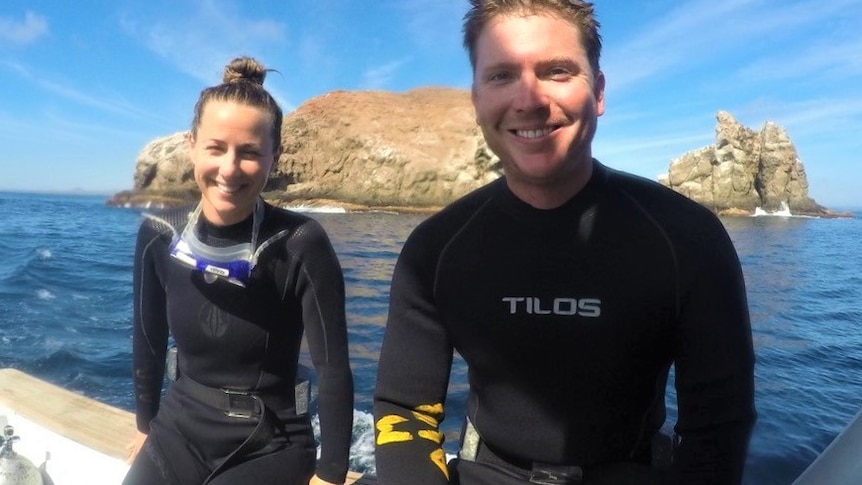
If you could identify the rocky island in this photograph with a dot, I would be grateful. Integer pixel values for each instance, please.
(745, 170)
(420, 150)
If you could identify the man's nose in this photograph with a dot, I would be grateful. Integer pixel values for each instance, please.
(530, 94)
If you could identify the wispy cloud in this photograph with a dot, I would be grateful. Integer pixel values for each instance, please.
(673, 142)
(61, 130)
(200, 43)
(13, 128)
(380, 76)
(29, 30)
(679, 37)
(312, 53)
(433, 24)
(84, 131)
(706, 32)
(116, 106)
(820, 115)
(832, 60)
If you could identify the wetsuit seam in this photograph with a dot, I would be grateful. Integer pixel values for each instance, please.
(303, 268)
(452, 238)
(164, 222)
(141, 296)
(676, 291)
(266, 357)
(269, 242)
(320, 318)
(670, 246)
(255, 257)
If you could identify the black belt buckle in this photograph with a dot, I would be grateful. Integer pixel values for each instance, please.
(240, 404)
(546, 474)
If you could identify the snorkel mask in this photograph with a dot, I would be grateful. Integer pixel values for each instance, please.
(231, 263)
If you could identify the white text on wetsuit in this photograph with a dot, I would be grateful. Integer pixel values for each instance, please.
(531, 305)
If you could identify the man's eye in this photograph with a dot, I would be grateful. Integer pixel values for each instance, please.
(559, 73)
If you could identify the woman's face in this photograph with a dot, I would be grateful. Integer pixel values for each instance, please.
(233, 155)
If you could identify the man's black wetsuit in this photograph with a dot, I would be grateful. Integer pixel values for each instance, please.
(244, 339)
(568, 320)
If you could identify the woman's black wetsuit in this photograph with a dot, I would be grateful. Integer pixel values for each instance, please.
(242, 339)
(568, 320)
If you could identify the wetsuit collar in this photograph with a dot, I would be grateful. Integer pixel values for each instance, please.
(578, 202)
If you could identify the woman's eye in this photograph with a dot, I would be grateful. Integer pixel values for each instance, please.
(499, 77)
(251, 154)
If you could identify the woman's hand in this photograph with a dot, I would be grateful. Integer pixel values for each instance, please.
(135, 446)
(317, 481)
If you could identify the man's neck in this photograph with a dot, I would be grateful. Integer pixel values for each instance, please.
(551, 196)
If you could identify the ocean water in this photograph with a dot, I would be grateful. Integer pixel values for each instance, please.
(66, 303)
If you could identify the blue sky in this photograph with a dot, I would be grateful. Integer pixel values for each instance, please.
(85, 85)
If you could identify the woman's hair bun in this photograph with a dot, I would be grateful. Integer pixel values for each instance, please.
(244, 69)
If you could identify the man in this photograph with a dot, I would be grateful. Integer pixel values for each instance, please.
(569, 289)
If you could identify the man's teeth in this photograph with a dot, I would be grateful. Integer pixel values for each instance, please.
(533, 133)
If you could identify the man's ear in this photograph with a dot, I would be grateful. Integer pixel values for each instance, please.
(599, 93)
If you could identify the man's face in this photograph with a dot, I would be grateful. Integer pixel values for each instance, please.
(537, 100)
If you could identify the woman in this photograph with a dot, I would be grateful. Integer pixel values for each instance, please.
(235, 282)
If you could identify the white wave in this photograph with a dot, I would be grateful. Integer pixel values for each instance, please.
(320, 209)
(362, 445)
(783, 212)
(45, 253)
(44, 294)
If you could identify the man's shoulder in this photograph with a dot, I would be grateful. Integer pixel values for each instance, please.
(681, 219)
(657, 199)
(466, 206)
(435, 231)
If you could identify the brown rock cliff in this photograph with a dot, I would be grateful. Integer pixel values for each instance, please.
(367, 149)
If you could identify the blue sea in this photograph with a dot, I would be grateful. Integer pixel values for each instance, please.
(66, 304)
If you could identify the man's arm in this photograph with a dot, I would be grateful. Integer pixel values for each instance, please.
(413, 374)
(714, 368)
